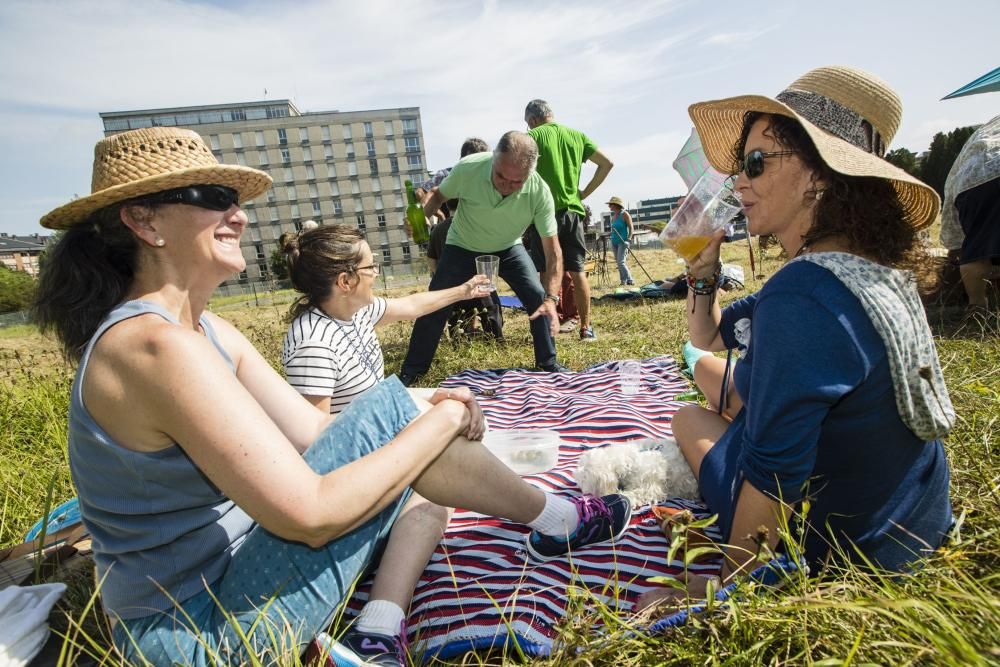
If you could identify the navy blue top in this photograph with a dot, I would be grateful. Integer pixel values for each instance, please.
(820, 420)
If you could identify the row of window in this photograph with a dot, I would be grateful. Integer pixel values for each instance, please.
(260, 140)
(413, 161)
(264, 273)
(196, 118)
(410, 145)
(254, 214)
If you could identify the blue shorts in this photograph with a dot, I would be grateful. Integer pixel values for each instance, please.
(289, 590)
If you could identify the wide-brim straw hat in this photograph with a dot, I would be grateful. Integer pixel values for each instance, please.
(850, 115)
(146, 161)
(616, 200)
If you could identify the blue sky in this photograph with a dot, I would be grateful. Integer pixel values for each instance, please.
(624, 73)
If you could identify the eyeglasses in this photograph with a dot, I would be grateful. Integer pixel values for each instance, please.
(753, 162)
(374, 267)
(212, 197)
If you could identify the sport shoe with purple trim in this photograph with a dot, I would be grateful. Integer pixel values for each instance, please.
(601, 519)
(357, 648)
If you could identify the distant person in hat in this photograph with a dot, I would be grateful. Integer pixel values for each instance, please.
(970, 216)
(621, 237)
(227, 513)
(838, 397)
(561, 154)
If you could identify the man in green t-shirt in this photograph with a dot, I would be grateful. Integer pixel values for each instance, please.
(561, 154)
(500, 194)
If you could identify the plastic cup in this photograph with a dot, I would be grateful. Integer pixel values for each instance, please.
(488, 265)
(707, 208)
(630, 376)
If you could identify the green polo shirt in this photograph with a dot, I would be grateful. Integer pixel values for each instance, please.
(486, 221)
(561, 153)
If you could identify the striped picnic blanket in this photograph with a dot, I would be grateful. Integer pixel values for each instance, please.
(481, 589)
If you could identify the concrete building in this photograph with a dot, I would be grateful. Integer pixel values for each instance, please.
(327, 166)
(645, 211)
(21, 253)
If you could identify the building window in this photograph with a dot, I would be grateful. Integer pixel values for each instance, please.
(399, 201)
(386, 255)
(325, 132)
(213, 139)
(368, 129)
(406, 251)
(313, 190)
(315, 203)
(295, 211)
(381, 220)
(274, 214)
(237, 140)
(409, 126)
(378, 202)
(331, 171)
(413, 161)
(355, 188)
(347, 131)
(412, 144)
(282, 136)
(297, 224)
(243, 276)
(270, 195)
(370, 146)
(352, 168)
(285, 156)
(277, 112)
(388, 128)
(290, 193)
(327, 152)
(357, 206)
(289, 177)
(241, 159)
(262, 157)
(360, 217)
(376, 185)
(398, 181)
(307, 153)
(394, 165)
(334, 189)
(349, 147)
(338, 208)
(238, 114)
(259, 137)
(373, 167)
(304, 135)
(259, 249)
(254, 233)
(310, 172)
(252, 218)
(390, 145)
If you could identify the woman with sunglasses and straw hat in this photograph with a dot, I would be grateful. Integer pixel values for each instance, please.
(838, 399)
(227, 514)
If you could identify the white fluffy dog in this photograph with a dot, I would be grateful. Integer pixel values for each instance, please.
(645, 471)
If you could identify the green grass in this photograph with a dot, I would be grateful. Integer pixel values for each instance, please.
(946, 613)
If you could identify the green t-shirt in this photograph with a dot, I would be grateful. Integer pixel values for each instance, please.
(561, 153)
(486, 221)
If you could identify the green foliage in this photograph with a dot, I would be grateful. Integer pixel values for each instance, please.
(17, 288)
(944, 149)
(904, 159)
(279, 265)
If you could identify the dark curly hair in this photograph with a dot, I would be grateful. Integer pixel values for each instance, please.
(863, 210)
(315, 258)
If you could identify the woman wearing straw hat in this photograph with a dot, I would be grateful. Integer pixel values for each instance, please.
(621, 236)
(838, 395)
(228, 514)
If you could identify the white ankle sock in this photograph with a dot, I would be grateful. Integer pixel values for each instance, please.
(559, 518)
(381, 616)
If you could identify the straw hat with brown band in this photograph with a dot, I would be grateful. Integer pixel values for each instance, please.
(851, 117)
(143, 162)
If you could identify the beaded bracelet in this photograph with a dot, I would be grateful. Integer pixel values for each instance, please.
(704, 286)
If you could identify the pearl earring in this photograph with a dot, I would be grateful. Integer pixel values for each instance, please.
(160, 242)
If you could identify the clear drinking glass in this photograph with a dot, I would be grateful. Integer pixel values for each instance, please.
(488, 265)
(709, 206)
(630, 376)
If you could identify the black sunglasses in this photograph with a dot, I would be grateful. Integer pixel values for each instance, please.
(212, 197)
(753, 162)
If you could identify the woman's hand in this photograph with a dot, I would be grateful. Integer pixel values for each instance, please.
(475, 287)
(668, 599)
(475, 425)
(706, 263)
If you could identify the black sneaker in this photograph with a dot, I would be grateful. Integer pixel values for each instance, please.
(554, 367)
(601, 519)
(356, 649)
(407, 379)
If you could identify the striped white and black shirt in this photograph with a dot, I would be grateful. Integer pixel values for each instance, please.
(327, 357)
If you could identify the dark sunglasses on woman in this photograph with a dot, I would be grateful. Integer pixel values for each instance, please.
(212, 197)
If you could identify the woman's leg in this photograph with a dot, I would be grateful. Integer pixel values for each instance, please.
(623, 272)
(708, 374)
(696, 431)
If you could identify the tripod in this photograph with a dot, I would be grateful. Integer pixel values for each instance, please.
(628, 249)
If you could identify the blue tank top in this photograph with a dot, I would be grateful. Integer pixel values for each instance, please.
(619, 230)
(155, 520)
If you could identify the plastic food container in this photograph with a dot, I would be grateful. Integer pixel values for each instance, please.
(525, 451)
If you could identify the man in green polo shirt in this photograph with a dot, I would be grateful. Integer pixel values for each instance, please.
(500, 194)
(561, 154)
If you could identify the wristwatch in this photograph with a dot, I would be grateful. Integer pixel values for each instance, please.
(552, 297)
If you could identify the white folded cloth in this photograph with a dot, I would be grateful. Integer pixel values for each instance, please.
(24, 621)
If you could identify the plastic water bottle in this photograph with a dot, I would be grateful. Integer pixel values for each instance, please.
(630, 376)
